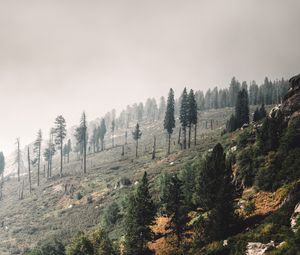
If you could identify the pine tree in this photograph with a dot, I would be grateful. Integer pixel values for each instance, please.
(139, 216)
(162, 108)
(231, 124)
(37, 153)
(262, 112)
(69, 149)
(192, 115)
(175, 207)
(169, 122)
(60, 133)
(214, 193)
(81, 136)
(136, 134)
(102, 245)
(256, 115)
(49, 152)
(102, 132)
(113, 126)
(183, 115)
(242, 109)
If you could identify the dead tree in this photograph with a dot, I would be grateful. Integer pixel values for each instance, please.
(122, 154)
(18, 159)
(21, 191)
(29, 172)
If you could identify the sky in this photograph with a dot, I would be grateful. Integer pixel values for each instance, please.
(66, 56)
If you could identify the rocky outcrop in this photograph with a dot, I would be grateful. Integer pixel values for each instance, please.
(290, 107)
(258, 248)
(295, 217)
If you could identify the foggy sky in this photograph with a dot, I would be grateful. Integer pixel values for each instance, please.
(66, 56)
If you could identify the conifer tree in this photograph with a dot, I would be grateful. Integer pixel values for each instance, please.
(162, 108)
(81, 136)
(256, 115)
(214, 193)
(139, 216)
(113, 126)
(49, 152)
(183, 115)
(169, 122)
(60, 133)
(37, 153)
(192, 115)
(102, 132)
(175, 207)
(136, 135)
(242, 109)
(262, 112)
(69, 149)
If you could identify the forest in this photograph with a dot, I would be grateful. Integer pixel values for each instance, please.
(209, 202)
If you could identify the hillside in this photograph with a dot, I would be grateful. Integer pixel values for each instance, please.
(60, 207)
(53, 209)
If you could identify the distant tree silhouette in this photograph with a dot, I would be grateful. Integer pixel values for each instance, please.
(60, 133)
(136, 135)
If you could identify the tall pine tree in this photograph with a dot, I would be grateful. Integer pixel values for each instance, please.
(169, 122)
(136, 135)
(139, 215)
(192, 115)
(183, 115)
(60, 133)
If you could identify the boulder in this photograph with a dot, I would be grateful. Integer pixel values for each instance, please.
(257, 248)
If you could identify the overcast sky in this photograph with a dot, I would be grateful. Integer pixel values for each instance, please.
(66, 56)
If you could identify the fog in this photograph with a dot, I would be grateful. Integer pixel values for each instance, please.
(66, 56)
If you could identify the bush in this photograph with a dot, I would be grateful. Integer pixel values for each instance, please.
(49, 247)
(80, 245)
(101, 243)
(111, 215)
(246, 173)
(249, 207)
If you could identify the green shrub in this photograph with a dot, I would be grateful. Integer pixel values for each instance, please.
(111, 215)
(249, 207)
(80, 245)
(49, 247)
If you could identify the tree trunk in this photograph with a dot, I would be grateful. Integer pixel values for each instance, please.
(84, 153)
(154, 147)
(179, 135)
(39, 165)
(169, 144)
(18, 159)
(195, 135)
(68, 157)
(211, 124)
(102, 145)
(189, 141)
(184, 138)
(136, 148)
(29, 172)
(123, 152)
(61, 157)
